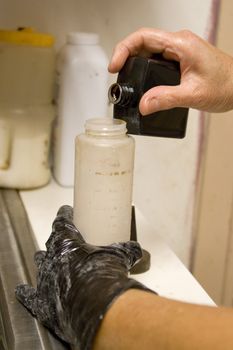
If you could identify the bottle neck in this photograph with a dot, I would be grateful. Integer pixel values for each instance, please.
(121, 94)
(81, 38)
(105, 127)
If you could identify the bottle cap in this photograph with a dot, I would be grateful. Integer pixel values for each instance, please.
(81, 38)
(26, 36)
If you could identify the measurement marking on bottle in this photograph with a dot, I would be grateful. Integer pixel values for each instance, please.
(115, 173)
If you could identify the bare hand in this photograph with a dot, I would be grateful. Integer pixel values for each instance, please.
(206, 72)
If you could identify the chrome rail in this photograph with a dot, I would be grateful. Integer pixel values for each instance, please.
(18, 329)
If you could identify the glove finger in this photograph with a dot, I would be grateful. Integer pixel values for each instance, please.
(27, 296)
(66, 212)
(64, 229)
(39, 258)
(132, 252)
(64, 223)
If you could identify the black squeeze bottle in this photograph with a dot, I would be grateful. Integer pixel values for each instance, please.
(138, 75)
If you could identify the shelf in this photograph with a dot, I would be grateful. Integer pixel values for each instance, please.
(167, 275)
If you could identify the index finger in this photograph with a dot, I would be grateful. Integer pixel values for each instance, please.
(63, 229)
(143, 42)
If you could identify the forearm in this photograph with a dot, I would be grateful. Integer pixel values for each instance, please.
(141, 320)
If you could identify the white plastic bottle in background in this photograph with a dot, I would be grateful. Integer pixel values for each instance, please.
(104, 164)
(82, 79)
(27, 72)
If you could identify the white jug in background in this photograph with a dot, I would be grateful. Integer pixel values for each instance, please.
(27, 67)
(82, 80)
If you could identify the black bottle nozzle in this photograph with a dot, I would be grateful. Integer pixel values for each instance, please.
(120, 94)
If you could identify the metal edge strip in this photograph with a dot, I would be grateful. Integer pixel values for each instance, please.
(17, 248)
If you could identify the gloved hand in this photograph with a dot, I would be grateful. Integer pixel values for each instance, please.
(77, 282)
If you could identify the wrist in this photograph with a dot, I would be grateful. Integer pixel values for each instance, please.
(88, 306)
(121, 320)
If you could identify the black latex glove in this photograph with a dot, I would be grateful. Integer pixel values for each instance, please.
(77, 282)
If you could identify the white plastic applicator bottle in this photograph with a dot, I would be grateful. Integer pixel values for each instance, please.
(103, 181)
(82, 80)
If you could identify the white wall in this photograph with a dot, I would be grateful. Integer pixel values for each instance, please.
(165, 170)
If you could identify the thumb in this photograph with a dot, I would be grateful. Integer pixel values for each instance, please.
(131, 252)
(163, 97)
